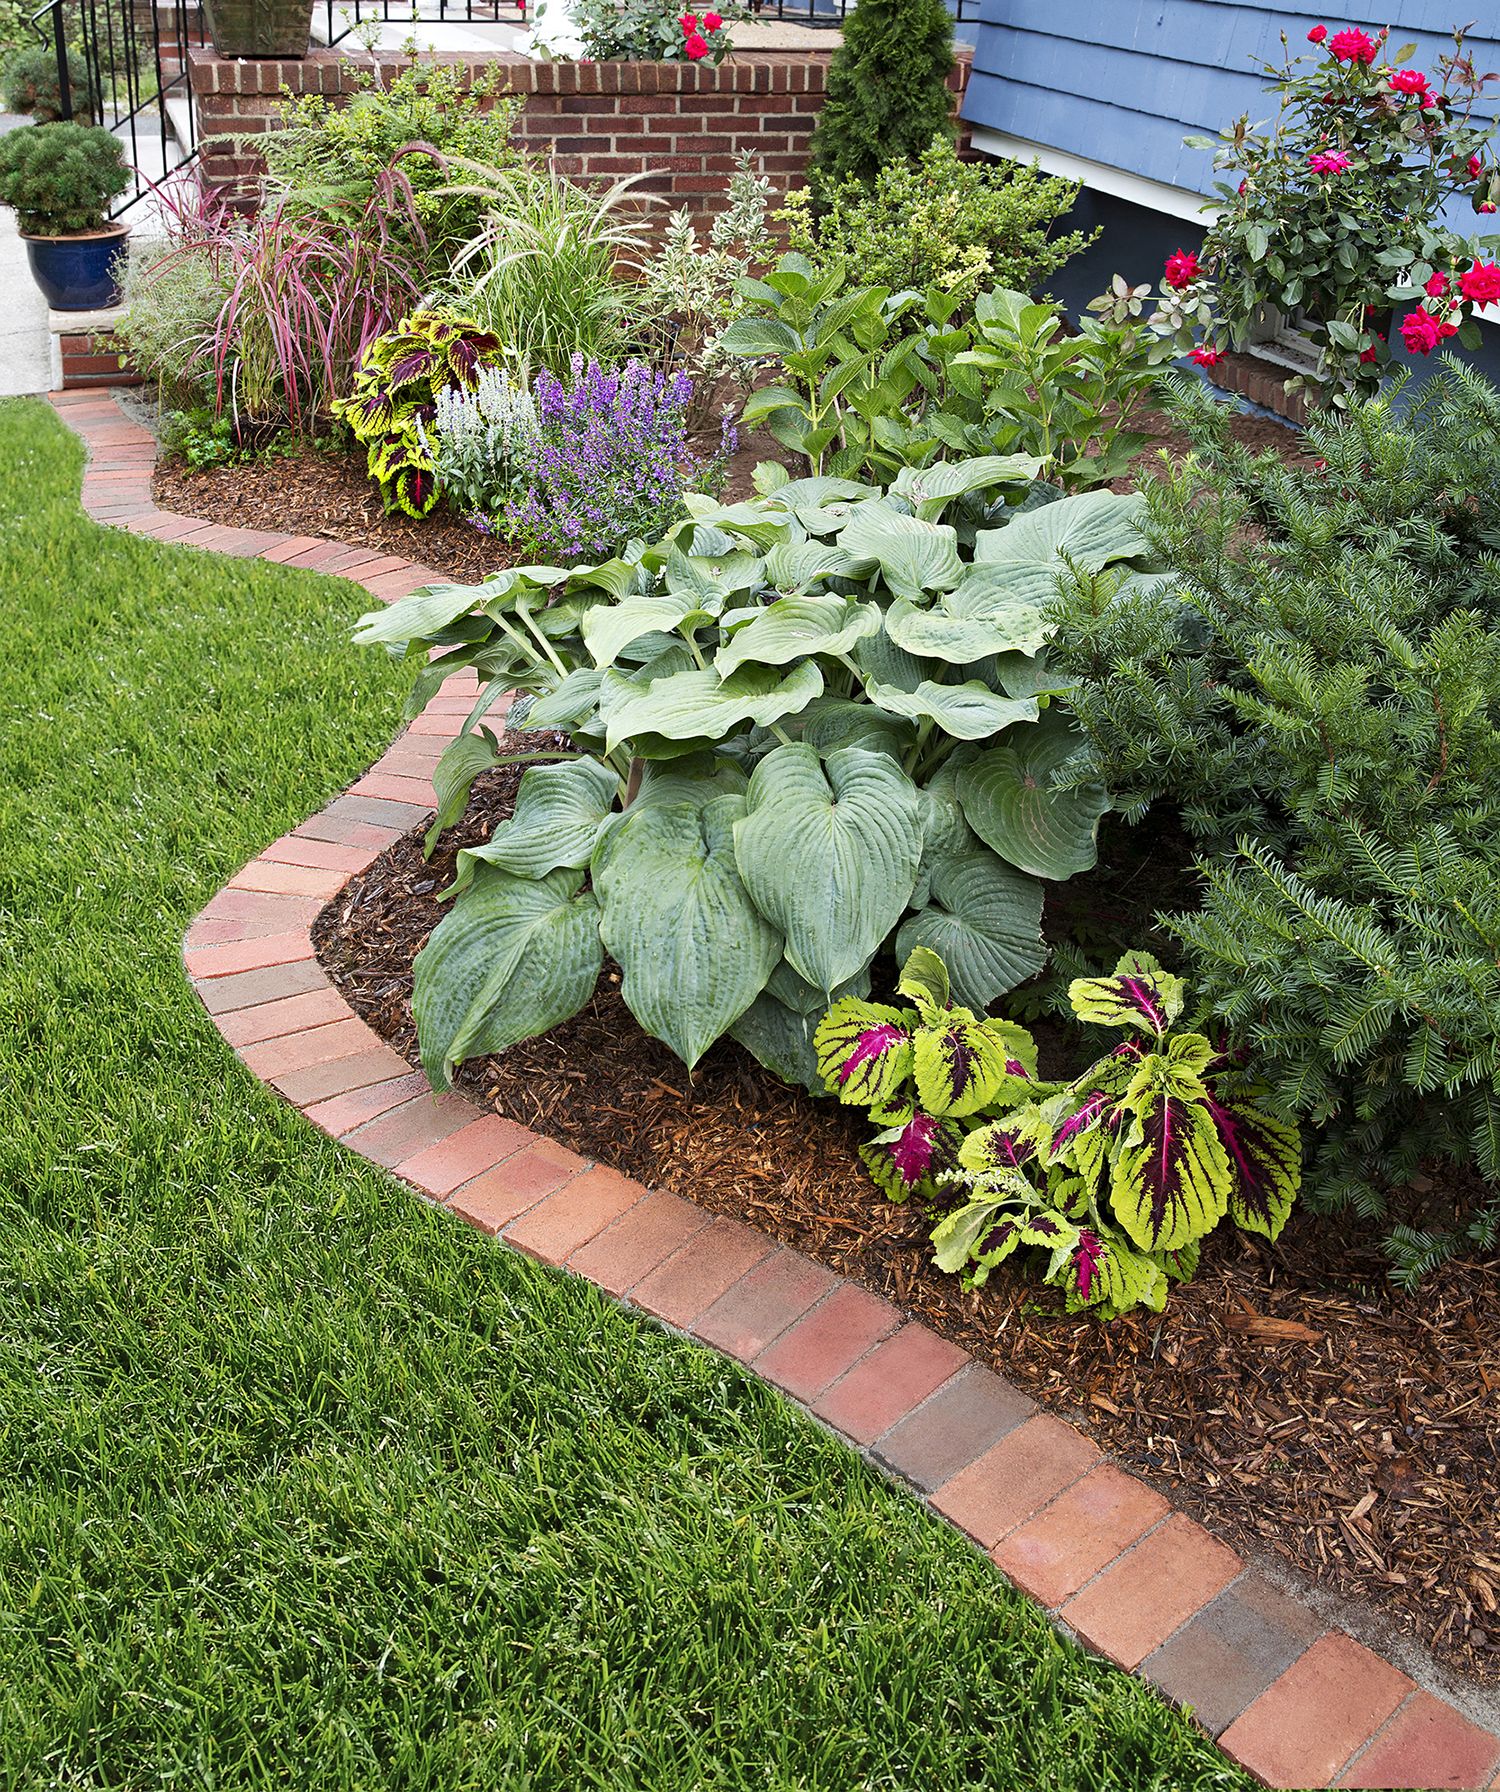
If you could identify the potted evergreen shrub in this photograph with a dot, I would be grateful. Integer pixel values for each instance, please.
(259, 27)
(59, 179)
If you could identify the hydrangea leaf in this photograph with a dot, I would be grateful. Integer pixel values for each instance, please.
(1010, 801)
(864, 1051)
(829, 851)
(984, 920)
(693, 950)
(1170, 1176)
(516, 957)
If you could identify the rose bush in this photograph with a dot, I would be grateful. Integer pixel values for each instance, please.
(1335, 214)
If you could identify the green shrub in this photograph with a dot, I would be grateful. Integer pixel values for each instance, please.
(1318, 693)
(1113, 1177)
(887, 90)
(172, 297)
(30, 85)
(805, 729)
(394, 401)
(329, 158)
(937, 221)
(873, 382)
(60, 178)
(654, 30)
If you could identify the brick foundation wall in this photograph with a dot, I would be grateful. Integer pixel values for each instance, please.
(679, 124)
(92, 358)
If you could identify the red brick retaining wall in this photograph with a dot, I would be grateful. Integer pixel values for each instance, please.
(91, 358)
(679, 124)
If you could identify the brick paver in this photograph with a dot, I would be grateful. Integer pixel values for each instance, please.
(961, 1421)
(1157, 1594)
(1311, 1720)
(1226, 1656)
(885, 1385)
(1052, 1555)
(1139, 1600)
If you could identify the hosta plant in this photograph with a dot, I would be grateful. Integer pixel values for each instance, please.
(1109, 1179)
(801, 729)
(393, 406)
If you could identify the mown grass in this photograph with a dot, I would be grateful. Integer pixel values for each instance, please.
(303, 1485)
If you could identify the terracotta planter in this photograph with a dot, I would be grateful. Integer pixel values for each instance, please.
(76, 273)
(260, 27)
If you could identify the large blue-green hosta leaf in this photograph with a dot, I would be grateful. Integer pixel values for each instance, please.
(791, 628)
(984, 920)
(693, 950)
(700, 705)
(829, 851)
(966, 711)
(1091, 530)
(917, 558)
(932, 489)
(516, 957)
(611, 628)
(558, 812)
(1009, 800)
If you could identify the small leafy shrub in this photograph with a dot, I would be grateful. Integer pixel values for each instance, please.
(483, 439)
(1336, 212)
(329, 159)
(610, 460)
(863, 394)
(202, 439)
(393, 404)
(1315, 694)
(888, 92)
(30, 85)
(546, 270)
(1110, 1180)
(689, 290)
(60, 178)
(802, 729)
(173, 295)
(648, 31)
(937, 221)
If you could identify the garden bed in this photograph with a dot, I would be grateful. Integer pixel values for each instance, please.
(324, 491)
(1290, 1397)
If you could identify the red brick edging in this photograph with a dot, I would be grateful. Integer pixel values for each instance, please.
(1295, 1701)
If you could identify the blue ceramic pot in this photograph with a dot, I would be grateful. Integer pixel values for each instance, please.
(75, 272)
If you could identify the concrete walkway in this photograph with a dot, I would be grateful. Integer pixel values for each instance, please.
(25, 342)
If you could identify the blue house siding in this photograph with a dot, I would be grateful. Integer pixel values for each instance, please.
(1121, 82)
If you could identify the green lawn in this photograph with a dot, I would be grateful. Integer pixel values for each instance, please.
(304, 1485)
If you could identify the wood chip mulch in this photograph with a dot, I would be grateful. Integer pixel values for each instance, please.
(1290, 1397)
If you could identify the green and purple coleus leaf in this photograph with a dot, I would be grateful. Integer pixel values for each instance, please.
(1265, 1160)
(962, 1065)
(1139, 994)
(1170, 1176)
(864, 1051)
(1101, 1270)
(908, 1157)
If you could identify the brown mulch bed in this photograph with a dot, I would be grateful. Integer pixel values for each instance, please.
(324, 491)
(1289, 1397)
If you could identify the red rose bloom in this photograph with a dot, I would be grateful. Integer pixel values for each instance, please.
(711, 21)
(689, 23)
(1481, 285)
(1207, 357)
(1317, 34)
(1181, 269)
(1372, 353)
(1476, 167)
(1352, 46)
(695, 47)
(1421, 332)
(1437, 287)
(1488, 206)
(1409, 80)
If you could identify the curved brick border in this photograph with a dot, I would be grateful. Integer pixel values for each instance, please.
(1296, 1702)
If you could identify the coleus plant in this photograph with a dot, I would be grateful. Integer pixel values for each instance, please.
(394, 402)
(1111, 1178)
(800, 729)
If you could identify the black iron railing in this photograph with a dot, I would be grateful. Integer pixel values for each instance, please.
(346, 17)
(134, 55)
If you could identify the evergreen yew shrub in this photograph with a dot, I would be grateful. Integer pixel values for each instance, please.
(887, 90)
(1318, 694)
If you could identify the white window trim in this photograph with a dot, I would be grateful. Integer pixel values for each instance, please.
(1155, 195)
